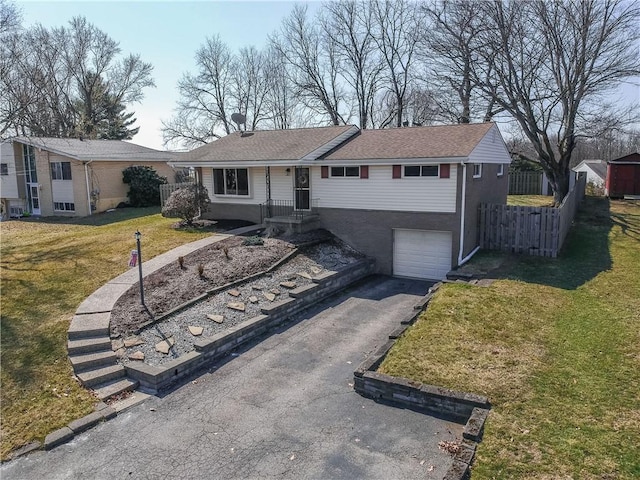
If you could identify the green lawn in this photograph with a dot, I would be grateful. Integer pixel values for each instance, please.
(49, 266)
(530, 200)
(554, 344)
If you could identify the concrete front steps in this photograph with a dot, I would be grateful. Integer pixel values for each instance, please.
(93, 360)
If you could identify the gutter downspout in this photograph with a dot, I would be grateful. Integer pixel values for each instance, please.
(86, 177)
(462, 261)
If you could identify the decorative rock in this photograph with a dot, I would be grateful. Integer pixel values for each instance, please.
(236, 306)
(315, 270)
(165, 345)
(289, 285)
(117, 344)
(269, 296)
(234, 293)
(137, 356)
(253, 299)
(121, 352)
(195, 331)
(256, 287)
(132, 341)
(216, 318)
(275, 291)
(305, 275)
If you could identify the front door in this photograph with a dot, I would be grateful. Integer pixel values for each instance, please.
(302, 190)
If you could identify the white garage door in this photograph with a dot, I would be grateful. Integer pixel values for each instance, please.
(421, 254)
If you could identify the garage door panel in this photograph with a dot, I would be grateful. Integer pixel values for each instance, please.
(422, 253)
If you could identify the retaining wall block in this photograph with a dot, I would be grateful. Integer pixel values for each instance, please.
(474, 428)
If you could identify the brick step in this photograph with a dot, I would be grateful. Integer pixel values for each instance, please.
(88, 345)
(114, 387)
(93, 360)
(91, 378)
(89, 325)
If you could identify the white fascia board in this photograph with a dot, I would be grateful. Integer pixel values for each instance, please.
(327, 147)
(237, 164)
(389, 161)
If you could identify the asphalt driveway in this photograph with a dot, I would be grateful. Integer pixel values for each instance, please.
(284, 408)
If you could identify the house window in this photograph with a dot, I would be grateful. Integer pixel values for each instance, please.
(345, 171)
(500, 169)
(64, 206)
(477, 170)
(421, 170)
(60, 171)
(4, 169)
(231, 181)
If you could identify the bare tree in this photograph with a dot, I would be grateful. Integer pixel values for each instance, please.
(397, 33)
(549, 64)
(313, 65)
(50, 77)
(348, 26)
(452, 46)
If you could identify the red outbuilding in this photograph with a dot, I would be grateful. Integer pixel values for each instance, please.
(623, 176)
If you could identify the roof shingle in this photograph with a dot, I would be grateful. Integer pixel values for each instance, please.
(260, 145)
(439, 141)
(97, 149)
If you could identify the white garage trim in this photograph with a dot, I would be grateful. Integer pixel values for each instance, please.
(421, 253)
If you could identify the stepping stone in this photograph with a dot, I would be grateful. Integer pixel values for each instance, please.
(137, 356)
(234, 293)
(117, 344)
(165, 345)
(275, 291)
(236, 306)
(256, 287)
(289, 285)
(253, 299)
(305, 275)
(195, 331)
(216, 318)
(133, 341)
(269, 296)
(315, 270)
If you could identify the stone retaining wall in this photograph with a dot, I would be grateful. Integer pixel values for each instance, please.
(153, 378)
(467, 408)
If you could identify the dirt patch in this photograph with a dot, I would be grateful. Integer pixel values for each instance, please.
(221, 263)
(173, 285)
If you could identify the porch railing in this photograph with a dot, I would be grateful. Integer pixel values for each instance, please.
(286, 209)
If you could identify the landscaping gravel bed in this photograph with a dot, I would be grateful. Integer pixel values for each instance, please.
(253, 295)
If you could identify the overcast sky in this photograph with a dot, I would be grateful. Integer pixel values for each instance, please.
(168, 33)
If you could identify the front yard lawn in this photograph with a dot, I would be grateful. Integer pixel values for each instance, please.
(554, 344)
(530, 200)
(49, 266)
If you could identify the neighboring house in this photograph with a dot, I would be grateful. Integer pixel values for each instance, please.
(623, 176)
(9, 191)
(596, 171)
(408, 197)
(73, 177)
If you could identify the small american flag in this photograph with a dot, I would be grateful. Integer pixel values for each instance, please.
(133, 261)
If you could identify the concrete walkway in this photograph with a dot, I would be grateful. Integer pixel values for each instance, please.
(283, 408)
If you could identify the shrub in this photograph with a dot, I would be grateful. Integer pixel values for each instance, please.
(144, 185)
(200, 270)
(181, 261)
(253, 241)
(187, 203)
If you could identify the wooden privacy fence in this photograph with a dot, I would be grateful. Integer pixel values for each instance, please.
(537, 231)
(168, 188)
